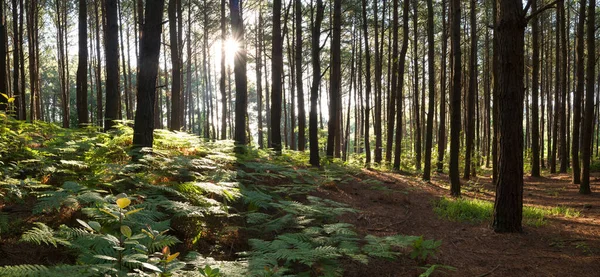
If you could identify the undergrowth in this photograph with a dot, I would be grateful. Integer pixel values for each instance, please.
(187, 207)
(478, 211)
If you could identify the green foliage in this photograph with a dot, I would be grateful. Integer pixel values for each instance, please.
(182, 178)
(477, 211)
(55, 271)
(43, 234)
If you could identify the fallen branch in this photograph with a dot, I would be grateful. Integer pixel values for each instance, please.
(390, 225)
(489, 272)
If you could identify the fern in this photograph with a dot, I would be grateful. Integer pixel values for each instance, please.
(43, 234)
(55, 271)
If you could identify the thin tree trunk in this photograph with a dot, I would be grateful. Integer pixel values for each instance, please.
(455, 97)
(176, 108)
(470, 116)
(241, 94)
(299, 79)
(400, 95)
(580, 75)
(367, 104)
(394, 89)
(82, 108)
(588, 119)
(316, 80)
(431, 70)
(111, 42)
(276, 72)
(442, 129)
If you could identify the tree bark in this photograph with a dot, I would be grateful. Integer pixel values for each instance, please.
(82, 107)
(276, 71)
(241, 94)
(400, 95)
(223, 72)
(442, 130)
(111, 42)
(333, 128)
(299, 79)
(176, 108)
(394, 85)
(535, 67)
(588, 118)
(149, 54)
(316, 80)
(580, 75)
(470, 130)
(508, 206)
(367, 106)
(455, 94)
(431, 104)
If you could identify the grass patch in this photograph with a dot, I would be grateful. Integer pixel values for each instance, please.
(478, 211)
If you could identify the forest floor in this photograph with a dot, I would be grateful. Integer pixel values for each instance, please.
(563, 246)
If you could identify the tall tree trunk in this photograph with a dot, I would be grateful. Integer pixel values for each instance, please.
(508, 206)
(431, 87)
(111, 42)
(259, 90)
(61, 56)
(333, 128)
(394, 83)
(99, 102)
(276, 71)
(455, 96)
(487, 91)
(442, 129)
(400, 95)
(126, 85)
(223, 72)
(299, 79)
(417, 109)
(470, 136)
(22, 61)
(176, 108)
(316, 80)
(82, 104)
(3, 76)
(557, 91)
(149, 54)
(535, 67)
(580, 75)
(564, 157)
(588, 118)
(241, 95)
(367, 106)
(17, 92)
(378, 124)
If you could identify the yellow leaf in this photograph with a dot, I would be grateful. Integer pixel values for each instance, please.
(172, 257)
(123, 202)
(133, 211)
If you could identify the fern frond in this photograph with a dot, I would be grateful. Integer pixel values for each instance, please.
(43, 234)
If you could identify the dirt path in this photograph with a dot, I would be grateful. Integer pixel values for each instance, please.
(402, 205)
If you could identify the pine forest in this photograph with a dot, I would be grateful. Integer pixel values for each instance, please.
(299, 138)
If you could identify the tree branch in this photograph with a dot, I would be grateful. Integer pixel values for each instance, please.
(527, 6)
(543, 9)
